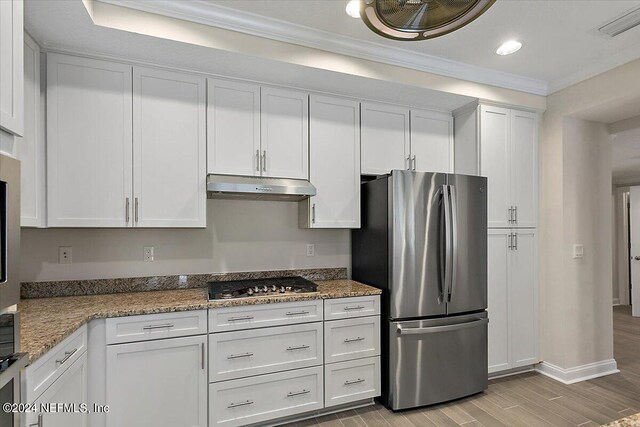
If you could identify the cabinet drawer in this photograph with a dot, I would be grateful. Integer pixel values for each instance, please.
(352, 381)
(40, 375)
(351, 339)
(344, 308)
(265, 397)
(259, 316)
(156, 326)
(261, 351)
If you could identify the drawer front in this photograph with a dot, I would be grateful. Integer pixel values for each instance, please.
(265, 397)
(156, 326)
(345, 308)
(261, 351)
(263, 315)
(352, 381)
(43, 373)
(351, 339)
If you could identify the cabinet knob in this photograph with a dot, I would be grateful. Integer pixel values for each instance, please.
(637, 258)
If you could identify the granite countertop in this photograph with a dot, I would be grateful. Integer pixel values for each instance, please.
(630, 421)
(47, 321)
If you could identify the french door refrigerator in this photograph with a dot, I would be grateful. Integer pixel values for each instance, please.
(423, 241)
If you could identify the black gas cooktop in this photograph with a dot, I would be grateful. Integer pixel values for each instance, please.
(260, 287)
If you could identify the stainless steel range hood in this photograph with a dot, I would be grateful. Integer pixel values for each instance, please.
(257, 188)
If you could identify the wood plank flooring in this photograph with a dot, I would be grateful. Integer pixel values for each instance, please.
(527, 399)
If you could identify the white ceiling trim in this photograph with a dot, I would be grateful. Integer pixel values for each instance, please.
(211, 14)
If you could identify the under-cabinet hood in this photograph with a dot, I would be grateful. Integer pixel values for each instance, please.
(258, 188)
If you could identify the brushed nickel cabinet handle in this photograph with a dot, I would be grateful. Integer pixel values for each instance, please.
(39, 423)
(264, 161)
(413, 160)
(136, 209)
(510, 214)
(258, 160)
(126, 211)
(357, 307)
(313, 213)
(298, 393)
(235, 405)
(515, 219)
(408, 162)
(67, 356)
(235, 319)
(239, 356)
(150, 327)
(296, 313)
(348, 340)
(515, 246)
(358, 381)
(203, 356)
(300, 347)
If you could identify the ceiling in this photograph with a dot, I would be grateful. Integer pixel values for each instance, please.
(560, 44)
(65, 25)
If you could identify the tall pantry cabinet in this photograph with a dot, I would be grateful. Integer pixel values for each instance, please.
(502, 144)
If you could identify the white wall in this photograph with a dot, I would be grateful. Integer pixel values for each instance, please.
(240, 236)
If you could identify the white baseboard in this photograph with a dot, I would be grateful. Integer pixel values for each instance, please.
(578, 373)
(510, 372)
(616, 301)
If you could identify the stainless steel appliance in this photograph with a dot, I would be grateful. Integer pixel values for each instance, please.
(9, 232)
(258, 188)
(11, 360)
(260, 287)
(11, 363)
(423, 241)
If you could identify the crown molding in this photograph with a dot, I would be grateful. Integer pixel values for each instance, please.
(207, 13)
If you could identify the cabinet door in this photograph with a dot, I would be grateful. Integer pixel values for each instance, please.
(159, 383)
(69, 388)
(385, 138)
(494, 163)
(89, 134)
(431, 141)
(169, 149)
(523, 295)
(334, 159)
(498, 299)
(31, 147)
(11, 67)
(233, 128)
(284, 116)
(524, 167)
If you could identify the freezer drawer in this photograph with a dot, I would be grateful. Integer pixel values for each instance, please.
(433, 361)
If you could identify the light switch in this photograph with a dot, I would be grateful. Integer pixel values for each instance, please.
(578, 251)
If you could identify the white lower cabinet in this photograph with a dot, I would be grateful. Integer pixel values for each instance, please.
(352, 338)
(160, 383)
(265, 397)
(512, 299)
(66, 395)
(351, 381)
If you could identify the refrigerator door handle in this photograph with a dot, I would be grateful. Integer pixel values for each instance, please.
(454, 239)
(446, 199)
(438, 329)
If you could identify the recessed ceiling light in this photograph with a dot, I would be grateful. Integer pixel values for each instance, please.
(509, 47)
(353, 8)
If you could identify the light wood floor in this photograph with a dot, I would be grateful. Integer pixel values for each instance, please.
(527, 399)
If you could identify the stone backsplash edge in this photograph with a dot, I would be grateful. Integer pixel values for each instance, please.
(67, 288)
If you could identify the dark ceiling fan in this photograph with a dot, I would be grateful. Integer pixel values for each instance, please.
(420, 19)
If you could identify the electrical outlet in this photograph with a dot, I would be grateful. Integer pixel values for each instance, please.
(148, 254)
(578, 251)
(311, 250)
(65, 255)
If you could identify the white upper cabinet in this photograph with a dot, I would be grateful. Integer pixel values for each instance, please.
(431, 141)
(524, 167)
(494, 164)
(233, 128)
(385, 138)
(30, 149)
(284, 133)
(169, 149)
(89, 142)
(334, 158)
(11, 67)
(508, 158)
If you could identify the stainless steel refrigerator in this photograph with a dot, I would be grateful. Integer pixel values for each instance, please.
(423, 241)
